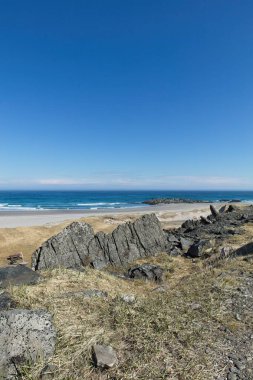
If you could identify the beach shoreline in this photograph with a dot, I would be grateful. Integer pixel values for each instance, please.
(13, 219)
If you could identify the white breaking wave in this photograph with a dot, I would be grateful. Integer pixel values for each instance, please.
(101, 204)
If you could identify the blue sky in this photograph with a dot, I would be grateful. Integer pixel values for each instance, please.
(126, 94)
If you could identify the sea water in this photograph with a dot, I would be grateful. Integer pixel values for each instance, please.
(90, 200)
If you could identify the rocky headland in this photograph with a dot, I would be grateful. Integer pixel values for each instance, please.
(157, 201)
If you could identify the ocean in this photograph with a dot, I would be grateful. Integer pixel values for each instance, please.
(92, 200)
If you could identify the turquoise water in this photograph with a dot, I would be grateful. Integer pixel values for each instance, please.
(85, 200)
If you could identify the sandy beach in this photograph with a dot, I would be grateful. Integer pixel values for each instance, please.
(27, 230)
(173, 212)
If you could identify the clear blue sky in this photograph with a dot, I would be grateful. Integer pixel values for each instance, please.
(126, 94)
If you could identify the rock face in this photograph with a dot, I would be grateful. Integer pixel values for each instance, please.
(104, 356)
(146, 272)
(17, 275)
(78, 246)
(25, 335)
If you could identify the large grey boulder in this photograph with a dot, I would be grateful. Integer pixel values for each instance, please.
(68, 249)
(77, 245)
(25, 335)
(17, 275)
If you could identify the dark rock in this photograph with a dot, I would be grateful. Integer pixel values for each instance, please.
(190, 225)
(205, 220)
(6, 301)
(245, 250)
(25, 336)
(104, 356)
(17, 275)
(214, 211)
(147, 272)
(201, 248)
(223, 209)
(77, 246)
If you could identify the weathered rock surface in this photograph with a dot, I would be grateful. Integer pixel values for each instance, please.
(17, 275)
(25, 335)
(104, 356)
(146, 272)
(78, 246)
(6, 301)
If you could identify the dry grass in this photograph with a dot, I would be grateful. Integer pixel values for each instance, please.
(160, 336)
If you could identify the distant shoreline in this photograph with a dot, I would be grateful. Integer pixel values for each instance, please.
(13, 219)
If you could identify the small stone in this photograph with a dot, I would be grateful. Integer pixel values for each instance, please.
(48, 372)
(128, 298)
(231, 376)
(104, 356)
(195, 306)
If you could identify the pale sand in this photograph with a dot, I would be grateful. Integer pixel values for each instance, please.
(26, 231)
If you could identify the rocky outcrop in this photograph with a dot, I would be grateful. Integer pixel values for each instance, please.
(78, 246)
(17, 275)
(25, 336)
(217, 227)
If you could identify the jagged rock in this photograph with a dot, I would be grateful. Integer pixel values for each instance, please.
(68, 249)
(205, 220)
(146, 272)
(89, 293)
(214, 211)
(77, 246)
(245, 250)
(17, 275)
(190, 225)
(25, 335)
(200, 248)
(223, 209)
(104, 356)
(6, 301)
